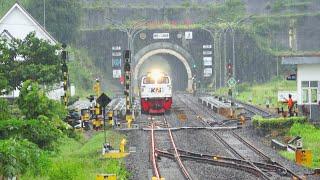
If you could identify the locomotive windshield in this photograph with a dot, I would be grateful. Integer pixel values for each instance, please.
(148, 80)
(163, 80)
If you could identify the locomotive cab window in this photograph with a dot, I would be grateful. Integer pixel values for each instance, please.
(163, 80)
(148, 80)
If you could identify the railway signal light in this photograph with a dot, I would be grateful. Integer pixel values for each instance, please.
(64, 55)
(127, 82)
(127, 55)
(127, 66)
(229, 69)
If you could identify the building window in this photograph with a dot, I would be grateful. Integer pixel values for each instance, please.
(314, 94)
(314, 84)
(305, 96)
(309, 92)
(305, 84)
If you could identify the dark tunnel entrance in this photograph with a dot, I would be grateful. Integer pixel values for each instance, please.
(168, 64)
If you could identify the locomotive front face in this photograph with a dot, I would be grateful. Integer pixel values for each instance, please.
(156, 93)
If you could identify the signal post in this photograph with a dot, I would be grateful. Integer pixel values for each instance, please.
(65, 75)
(127, 84)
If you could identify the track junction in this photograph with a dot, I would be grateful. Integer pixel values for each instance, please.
(203, 145)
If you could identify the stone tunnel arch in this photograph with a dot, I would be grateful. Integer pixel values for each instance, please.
(162, 48)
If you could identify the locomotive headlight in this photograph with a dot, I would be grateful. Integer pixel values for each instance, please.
(155, 74)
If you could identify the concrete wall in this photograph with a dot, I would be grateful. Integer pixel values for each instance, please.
(252, 64)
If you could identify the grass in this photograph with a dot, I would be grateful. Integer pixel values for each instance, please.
(311, 140)
(259, 94)
(81, 160)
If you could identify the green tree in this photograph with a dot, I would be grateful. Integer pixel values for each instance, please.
(34, 104)
(8, 75)
(18, 156)
(40, 62)
(43, 133)
(4, 110)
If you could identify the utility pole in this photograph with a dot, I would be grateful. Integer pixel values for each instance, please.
(44, 14)
(232, 26)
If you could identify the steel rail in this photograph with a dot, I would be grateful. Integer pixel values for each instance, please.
(253, 109)
(154, 162)
(232, 150)
(177, 155)
(206, 111)
(222, 120)
(197, 105)
(268, 167)
(267, 158)
(257, 151)
(183, 102)
(234, 165)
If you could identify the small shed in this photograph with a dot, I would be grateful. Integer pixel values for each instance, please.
(308, 83)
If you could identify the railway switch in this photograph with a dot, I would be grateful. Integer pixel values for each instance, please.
(85, 117)
(106, 177)
(110, 117)
(155, 178)
(109, 152)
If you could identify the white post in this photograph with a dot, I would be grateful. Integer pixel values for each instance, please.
(44, 14)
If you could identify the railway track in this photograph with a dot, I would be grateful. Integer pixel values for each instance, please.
(242, 149)
(177, 157)
(208, 117)
(246, 157)
(255, 110)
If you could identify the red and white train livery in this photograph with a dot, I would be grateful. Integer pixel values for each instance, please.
(156, 93)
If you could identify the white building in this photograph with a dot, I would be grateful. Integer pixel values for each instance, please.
(308, 84)
(18, 23)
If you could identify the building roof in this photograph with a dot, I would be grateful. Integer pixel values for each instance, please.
(19, 23)
(301, 60)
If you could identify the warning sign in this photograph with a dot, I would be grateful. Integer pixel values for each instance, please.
(304, 157)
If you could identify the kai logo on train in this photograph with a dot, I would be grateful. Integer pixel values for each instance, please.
(155, 90)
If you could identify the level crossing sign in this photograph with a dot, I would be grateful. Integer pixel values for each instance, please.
(231, 82)
(103, 100)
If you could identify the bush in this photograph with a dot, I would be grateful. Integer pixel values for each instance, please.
(34, 103)
(276, 123)
(4, 110)
(42, 133)
(19, 156)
